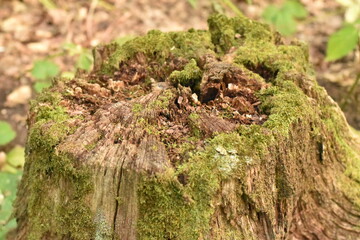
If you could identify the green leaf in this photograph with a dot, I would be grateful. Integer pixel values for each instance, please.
(342, 42)
(9, 169)
(40, 85)
(270, 14)
(285, 23)
(44, 69)
(7, 134)
(72, 48)
(16, 157)
(85, 61)
(295, 9)
(8, 185)
(284, 18)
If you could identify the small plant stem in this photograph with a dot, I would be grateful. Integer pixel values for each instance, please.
(48, 4)
(345, 101)
(233, 7)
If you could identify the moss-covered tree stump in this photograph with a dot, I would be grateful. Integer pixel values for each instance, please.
(218, 134)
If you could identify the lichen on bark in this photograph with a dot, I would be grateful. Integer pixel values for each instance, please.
(218, 134)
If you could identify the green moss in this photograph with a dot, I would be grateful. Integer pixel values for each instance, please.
(190, 76)
(50, 109)
(285, 104)
(147, 126)
(158, 47)
(142, 112)
(163, 101)
(194, 117)
(282, 183)
(250, 74)
(194, 125)
(103, 230)
(90, 146)
(173, 210)
(347, 148)
(69, 214)
(170, 210)
(234, 32)
(137, 108)
(61, 212)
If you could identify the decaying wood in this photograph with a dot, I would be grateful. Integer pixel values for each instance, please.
(137, 141)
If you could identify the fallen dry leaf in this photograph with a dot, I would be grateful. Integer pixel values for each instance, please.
(39, 47)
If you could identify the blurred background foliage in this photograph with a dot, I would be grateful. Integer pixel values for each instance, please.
(44, 39)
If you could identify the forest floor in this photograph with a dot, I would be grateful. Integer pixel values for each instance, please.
(31, 31)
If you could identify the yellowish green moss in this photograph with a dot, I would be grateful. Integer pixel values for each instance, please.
(163, 101)
(137, 108)
(349, 182)
(147, 126)
(90, 146)
(170, 210)
(285, 104)
(158, 47)
(61, 212)
(190, 76)
(173, 210)
(103, 230)
(194, 125)
(234, 32)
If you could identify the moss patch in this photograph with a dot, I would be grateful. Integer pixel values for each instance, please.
(61, 213)
(171, 209)
(234, 32)
(159, 47)
(189, 77)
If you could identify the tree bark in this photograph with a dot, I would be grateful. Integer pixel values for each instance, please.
(218, 134)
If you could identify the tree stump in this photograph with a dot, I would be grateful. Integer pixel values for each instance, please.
(218, 134)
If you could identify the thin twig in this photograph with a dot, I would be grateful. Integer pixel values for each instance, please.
(89, 19)
(233, 7)
(345, 101)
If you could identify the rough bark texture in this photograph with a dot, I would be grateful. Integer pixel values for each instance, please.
(219, 134)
